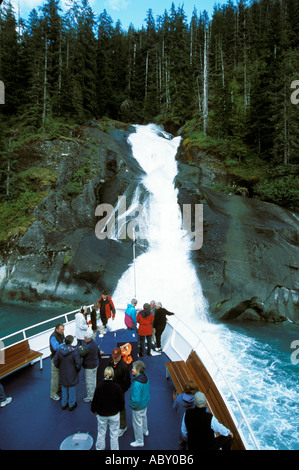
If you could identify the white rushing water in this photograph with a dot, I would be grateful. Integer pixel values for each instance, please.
(164, 273)
(257, 367)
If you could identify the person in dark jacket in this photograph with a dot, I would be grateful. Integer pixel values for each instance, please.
(68, 361)
(107, 402)
(183, 402)
(56, 340)
(93, 317)
(199, 428)
(123, 379)
(160, 323)
(145, 319)
(91, 360)
(107, 308)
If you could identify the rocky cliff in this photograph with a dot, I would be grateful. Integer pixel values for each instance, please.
(248, 263)
(59, 258)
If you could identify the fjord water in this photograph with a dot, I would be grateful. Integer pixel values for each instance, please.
(255, 358)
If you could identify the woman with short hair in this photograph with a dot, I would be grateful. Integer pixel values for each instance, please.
(107, 402)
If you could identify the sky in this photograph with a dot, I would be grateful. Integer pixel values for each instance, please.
(129, 11)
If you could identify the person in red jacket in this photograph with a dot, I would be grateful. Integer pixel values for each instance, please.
(145, 319)
(107, 308)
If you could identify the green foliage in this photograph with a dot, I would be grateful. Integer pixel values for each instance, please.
(67, 258)
(16, 215)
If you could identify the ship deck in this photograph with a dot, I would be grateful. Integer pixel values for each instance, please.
(33, 421)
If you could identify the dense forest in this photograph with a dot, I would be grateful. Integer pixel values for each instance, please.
(229, 77)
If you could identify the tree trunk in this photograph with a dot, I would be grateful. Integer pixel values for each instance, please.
(205, 83)
(45, 81)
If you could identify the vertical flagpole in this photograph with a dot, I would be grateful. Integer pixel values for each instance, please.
(134, 241)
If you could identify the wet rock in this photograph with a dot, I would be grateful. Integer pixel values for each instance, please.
(60, 259)
(250, 250)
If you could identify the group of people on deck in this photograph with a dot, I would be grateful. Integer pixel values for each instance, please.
(149, 322)
(107, 395)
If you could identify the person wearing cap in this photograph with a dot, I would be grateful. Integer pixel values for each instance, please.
(199, 426)
(139, 399)
(160, 324)
(107, 308)
(145, 319)
(91, 360)
(81, 324)
(107, 402)
(123, 379)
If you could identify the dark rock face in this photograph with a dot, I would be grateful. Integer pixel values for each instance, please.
(60, 259)
(248, 264)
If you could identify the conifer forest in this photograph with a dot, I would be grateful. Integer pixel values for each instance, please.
(233, 78)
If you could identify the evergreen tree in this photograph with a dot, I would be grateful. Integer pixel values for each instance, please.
(231, 73)
(9, 60)
(33, 71)
(104, 64)
(85, 63)
(52, 38)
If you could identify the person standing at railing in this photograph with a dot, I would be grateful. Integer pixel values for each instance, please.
(94, 315)
(107, 308)
(56, 340)
(81, 325)
(160, 324)
(183, 402)
(199, 428)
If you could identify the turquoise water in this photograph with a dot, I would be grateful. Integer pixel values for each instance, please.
(256, 360)
(14, 317)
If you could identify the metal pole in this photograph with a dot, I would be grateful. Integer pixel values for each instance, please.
(134, 241)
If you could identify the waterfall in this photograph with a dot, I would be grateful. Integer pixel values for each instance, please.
(164, 272)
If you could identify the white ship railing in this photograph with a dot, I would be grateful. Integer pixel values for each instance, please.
(24, 333)
(178, 341)
(178, 344)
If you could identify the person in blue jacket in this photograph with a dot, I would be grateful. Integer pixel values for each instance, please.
(139, 399)
(130, 315)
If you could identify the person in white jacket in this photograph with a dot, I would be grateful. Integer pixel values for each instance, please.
(81, 325)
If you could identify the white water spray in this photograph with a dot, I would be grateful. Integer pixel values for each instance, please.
(164, 272)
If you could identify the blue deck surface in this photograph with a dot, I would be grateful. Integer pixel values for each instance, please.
(32, 421)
